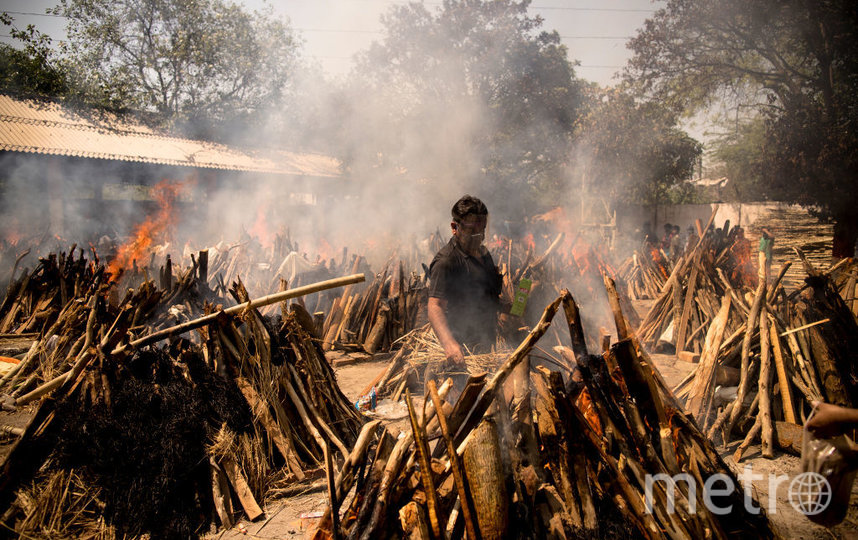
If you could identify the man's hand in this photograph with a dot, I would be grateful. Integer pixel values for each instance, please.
(455, 357)
(831, 420)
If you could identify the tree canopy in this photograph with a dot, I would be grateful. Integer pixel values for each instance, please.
(28, 72)
(632, 152)
(193, 64)
(793, 60)
(483, 93)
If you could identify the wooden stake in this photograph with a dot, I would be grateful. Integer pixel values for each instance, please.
(766, 428)
(783, 380)
(332, 492)
(422, 445)
(468, 512)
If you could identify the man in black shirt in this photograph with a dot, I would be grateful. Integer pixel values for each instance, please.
(465, 287)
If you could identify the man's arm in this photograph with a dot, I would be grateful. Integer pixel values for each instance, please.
(438, 319)
(831, 420)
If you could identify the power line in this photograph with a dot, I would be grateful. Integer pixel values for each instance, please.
(379, 32)
(347, 58)
(545, 8)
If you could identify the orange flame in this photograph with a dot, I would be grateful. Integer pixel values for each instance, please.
(152, 229)
(588, 409)
(529, 241)
(260, 229)
(324, 250)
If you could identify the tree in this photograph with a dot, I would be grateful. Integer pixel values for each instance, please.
(740, 155)
(475, 92)
(28, 72)
(794, 61)
(193, 64)
(633, 153)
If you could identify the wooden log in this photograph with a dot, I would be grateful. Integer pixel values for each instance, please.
(333, 502)
(474, 385)
(702, 389)
(432, 503)
(576, 329)
(780, 369)
(347, 315)
(242, 490)
(623, 330)
(203, 268)
(466, 501)
(687, 305)
(744, 381)
(221, 495)
(484, 471)
(789, 437)
(413, 521)
(373, 340)
(766, 427)
(556, 453)
(749, 438)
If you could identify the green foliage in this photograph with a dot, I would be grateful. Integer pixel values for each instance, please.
(28, 72)
(793, 60)
(192, 64)
(741, 155)
(633, 152)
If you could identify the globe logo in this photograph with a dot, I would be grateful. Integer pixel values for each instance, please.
(810, 493)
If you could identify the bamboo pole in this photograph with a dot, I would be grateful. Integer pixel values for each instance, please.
(240, 308)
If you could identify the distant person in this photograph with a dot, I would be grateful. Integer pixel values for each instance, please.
(767, 242)
(691, 239)
(665, 239)
(647, 236)
(675, 244)
(740, 250)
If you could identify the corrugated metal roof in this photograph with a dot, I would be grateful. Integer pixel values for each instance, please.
(49, 128)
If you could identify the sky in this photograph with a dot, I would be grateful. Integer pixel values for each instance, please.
(595, 31)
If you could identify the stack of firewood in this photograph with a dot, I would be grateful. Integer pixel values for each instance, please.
(130, 438)
(786, 355)
(372, 319)
(644, 276)
(480, 466)
(688, 304)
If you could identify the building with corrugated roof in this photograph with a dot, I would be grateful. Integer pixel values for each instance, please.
(96, 165)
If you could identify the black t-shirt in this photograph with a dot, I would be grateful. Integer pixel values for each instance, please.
(472, 286)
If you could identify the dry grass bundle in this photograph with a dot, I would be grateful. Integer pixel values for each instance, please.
(420, 351)
(63, 505)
